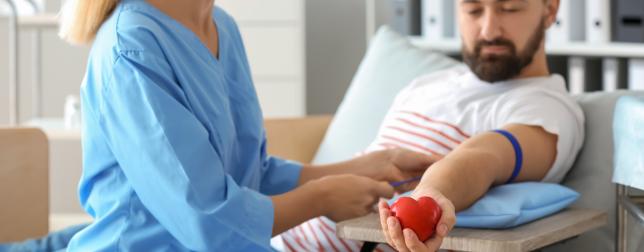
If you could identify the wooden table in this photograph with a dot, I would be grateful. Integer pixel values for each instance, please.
(538, 234)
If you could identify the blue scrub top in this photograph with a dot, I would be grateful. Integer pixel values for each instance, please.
(174, 146)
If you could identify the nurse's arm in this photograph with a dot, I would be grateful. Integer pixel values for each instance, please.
(338, 197)
(385, 165)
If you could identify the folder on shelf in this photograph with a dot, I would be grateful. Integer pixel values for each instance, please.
(610, 69)
(576, 75)
(456, 27)
(584, 75)
(438, 19)
(451, 23)
(405, 16)
(636, 74)
(628, 21)
(598, 21)
(569, 25)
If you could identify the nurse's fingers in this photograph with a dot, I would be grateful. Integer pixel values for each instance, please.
(383, 190)
(411, 161)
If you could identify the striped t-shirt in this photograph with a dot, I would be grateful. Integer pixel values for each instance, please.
(438, 112)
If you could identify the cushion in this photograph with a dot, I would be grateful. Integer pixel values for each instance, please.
(511, 205)
(390, 64)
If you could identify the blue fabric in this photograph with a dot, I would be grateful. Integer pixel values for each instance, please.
(53, 242)
(389, 65)
(174, 148)
(628, 130)
(518, 154)
(515, 204)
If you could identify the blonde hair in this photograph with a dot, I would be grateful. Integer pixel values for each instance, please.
(81, 19)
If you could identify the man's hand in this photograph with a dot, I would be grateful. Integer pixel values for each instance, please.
(406, 240)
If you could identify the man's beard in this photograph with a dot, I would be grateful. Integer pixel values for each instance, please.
(494, 68)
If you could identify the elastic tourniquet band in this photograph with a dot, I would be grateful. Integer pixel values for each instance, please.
(517, 152)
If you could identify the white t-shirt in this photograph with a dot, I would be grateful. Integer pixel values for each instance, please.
(437, 112)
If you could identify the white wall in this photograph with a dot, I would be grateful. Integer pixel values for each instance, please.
(63, 67)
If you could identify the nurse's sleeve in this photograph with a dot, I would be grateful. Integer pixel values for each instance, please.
(168, 159)
(279, 175)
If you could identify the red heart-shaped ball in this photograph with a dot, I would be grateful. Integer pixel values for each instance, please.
(420, 216)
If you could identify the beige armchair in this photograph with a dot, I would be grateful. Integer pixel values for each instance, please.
(297, 138)
(24, 184)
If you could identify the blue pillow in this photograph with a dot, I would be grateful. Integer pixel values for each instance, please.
(511, 205)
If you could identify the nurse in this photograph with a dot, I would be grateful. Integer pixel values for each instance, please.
(174, 149)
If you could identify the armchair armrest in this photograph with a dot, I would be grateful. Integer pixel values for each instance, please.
(296, 138)
(24, 184)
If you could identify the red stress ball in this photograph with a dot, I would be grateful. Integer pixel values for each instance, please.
(420, 216)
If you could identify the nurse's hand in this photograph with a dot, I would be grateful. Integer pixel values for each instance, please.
(349, 196)
(393, 165)
(406, 240)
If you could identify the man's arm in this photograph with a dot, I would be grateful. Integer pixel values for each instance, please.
(467, 173)
(488, 159)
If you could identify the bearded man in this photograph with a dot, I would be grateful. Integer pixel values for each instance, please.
(499, 118)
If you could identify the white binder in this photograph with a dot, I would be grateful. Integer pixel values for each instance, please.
(570, 23)
(598, 21)
(610, 76)
(438, 19)
(451, 23)
(576, 74)
(456, 27)
(636, 74)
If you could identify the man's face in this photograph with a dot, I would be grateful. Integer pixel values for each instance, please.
(501, 37)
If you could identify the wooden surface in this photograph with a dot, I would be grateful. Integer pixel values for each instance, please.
(24, 184)
(296, 138)
(532, 236)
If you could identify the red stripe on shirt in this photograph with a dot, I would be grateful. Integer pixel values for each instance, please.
(448, 148)
(430, 129)
(288, 244)
(301, 232)
(411, 144)
(295, 238)
(330, 241)
(315, 236)
(439, 122)
(325, 225)
(305, 244)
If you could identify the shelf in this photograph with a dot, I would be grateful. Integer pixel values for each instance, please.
(55, 129)
(47, 20)
(606, 50)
